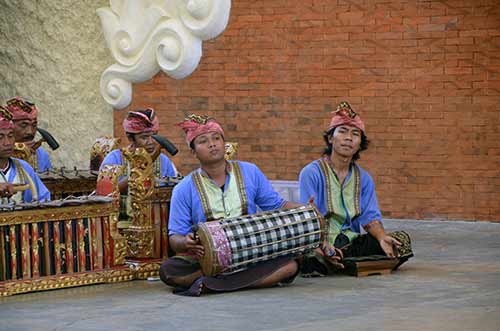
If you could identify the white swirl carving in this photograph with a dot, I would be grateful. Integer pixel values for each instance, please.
(147, 36)
(115, 90)
(205, 18)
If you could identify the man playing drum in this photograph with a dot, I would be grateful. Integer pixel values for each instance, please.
(140, 126)
(345, 194)
(24, 115)
(18, 180)
(218, 189)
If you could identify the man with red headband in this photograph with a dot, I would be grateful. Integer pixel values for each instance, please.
(18, 180)
(24, 115)
(140, 126)
(218, 189)
(345, 194)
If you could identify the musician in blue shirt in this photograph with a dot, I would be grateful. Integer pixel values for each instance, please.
(345, 194)
(140, 126)
(18, 180)
(24, 116)
(218, 189)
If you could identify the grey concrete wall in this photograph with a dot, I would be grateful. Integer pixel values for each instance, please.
(53, 52)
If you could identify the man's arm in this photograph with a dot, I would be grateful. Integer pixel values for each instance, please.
(309, 181)
(44, 163)
(42, 191)
(180, 225)
(370, 218)
(167, 167)
(186, 244)
(388, 244)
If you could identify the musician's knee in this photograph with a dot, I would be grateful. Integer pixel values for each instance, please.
(173, 274)
(290, 269)
(165, 274)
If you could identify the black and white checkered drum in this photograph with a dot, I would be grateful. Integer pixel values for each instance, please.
(234, 244)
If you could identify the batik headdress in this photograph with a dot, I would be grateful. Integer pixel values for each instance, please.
(195, 125)
(5, 119)
(22, 109)
(141, 121)
(344, 115)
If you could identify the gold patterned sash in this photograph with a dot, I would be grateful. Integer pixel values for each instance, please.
(235, 169)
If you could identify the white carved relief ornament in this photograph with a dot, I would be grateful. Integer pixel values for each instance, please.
(146, 36)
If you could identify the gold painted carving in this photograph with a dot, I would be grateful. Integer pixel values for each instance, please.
(140, 182)
(120, 242)
(57, 213)
(140, 188)
(230, 150)
(101, 148)
(23, 152)
(120, 274)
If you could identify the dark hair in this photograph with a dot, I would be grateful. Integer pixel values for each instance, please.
(329, 149)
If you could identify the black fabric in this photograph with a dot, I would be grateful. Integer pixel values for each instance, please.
(363, 248)
(180, 266)
(363, 245)
(341, 240)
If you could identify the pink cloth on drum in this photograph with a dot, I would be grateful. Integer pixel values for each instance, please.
(221, 244)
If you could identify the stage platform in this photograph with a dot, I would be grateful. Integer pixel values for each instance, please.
(452, 283)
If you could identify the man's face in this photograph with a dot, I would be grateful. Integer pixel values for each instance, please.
(345, 140)
(7, 141)
(25, 130)
(209, 147)
(145, 140)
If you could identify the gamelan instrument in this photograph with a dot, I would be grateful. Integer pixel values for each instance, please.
(234, 244)
(64, 182)
(56, 237)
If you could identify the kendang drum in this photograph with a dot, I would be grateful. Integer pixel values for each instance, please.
(234, 244)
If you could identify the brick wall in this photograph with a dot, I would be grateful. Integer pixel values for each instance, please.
(424, 76)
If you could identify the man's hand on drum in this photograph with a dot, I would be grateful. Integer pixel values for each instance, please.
(332, 254)
(6, 190)
(192, 245)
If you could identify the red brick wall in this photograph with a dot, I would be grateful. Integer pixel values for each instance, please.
(424, 75)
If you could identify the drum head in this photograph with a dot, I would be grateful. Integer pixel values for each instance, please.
(208, 261)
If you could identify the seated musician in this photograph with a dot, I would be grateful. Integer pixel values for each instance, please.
(140, 126)
(345, 194)
(25, 120)
(218, 189)
(18, 180)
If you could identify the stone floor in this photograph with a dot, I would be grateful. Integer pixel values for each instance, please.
(453, 283)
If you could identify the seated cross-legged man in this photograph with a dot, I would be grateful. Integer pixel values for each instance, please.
(25, 118)
(345, 194)
(18, 180)
(218, 189)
